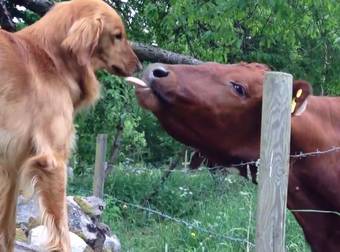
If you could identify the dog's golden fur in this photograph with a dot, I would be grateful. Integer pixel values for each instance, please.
(46, 75)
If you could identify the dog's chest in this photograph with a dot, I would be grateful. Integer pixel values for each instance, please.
(12, 147)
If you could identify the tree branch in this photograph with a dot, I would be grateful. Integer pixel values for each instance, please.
(143, 51)
(156, 54)
(6, 21)
(38, 6)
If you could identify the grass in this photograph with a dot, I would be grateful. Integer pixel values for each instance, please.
(223, 206)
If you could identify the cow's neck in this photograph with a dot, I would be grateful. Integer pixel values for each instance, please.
(314, 181)
(318, 127)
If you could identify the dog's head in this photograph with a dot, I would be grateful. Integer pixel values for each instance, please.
(97, 37)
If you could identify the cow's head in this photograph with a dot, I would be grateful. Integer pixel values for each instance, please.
(212, 107)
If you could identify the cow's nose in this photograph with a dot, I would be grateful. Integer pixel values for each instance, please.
(155, 72)
(160, 72)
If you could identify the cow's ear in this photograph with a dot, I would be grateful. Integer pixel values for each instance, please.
(301, 91)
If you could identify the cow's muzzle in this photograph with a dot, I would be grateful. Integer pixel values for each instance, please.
(157, 77)
(155, 72)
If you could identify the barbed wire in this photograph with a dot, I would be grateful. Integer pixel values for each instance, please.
(315, 211)
(257, 164)
(315, 153)
(196, 226)
(295, 156)
(186, 171)
(236, 165)
(244, 164)
(185, 223)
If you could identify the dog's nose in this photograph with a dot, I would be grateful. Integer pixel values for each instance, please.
(139, 66)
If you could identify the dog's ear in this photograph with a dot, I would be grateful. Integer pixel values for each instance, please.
(83, 37)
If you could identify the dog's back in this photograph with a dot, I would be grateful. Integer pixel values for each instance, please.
(13, 59)
(14, 84)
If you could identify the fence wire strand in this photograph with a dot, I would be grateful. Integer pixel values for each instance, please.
(185, 223)
(245, 164)
(315, 211)
(315, 153)
(242, 164)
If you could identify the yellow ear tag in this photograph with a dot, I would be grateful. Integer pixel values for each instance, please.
(293, 106)
(299, 93)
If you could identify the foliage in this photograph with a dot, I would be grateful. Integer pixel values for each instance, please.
(143, 139)
(300, 37)
(224, 206)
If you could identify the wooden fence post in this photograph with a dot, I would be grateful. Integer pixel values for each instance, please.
(274, 165)
(99, 170)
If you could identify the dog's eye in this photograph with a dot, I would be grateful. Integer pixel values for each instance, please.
(238, 88)
(118, 36)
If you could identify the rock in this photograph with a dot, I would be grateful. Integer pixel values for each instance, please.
(27, 213)
(20, 235)
(80, 223)
(24, 247)
(112, 244)
(38, 237)
(84, 221)
(92, 206)
(84, 215)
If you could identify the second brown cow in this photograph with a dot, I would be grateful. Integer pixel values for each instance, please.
(217, 109)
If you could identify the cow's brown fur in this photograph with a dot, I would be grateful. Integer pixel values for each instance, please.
(199, 107)
(46, 75)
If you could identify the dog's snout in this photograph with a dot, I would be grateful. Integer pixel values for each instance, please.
(160, 72)
(139, 66)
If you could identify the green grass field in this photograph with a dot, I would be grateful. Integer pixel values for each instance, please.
(212, 213)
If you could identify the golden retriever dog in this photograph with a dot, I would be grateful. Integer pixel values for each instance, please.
(46, 75)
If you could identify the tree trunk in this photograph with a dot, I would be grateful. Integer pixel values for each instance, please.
(116, 145)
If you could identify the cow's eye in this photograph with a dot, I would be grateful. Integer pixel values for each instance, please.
(238, 88)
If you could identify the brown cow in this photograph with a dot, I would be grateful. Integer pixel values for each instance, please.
(217, 109)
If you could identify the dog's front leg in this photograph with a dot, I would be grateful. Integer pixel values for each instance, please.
(8, 195)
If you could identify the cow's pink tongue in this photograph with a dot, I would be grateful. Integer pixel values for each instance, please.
(136, 81)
